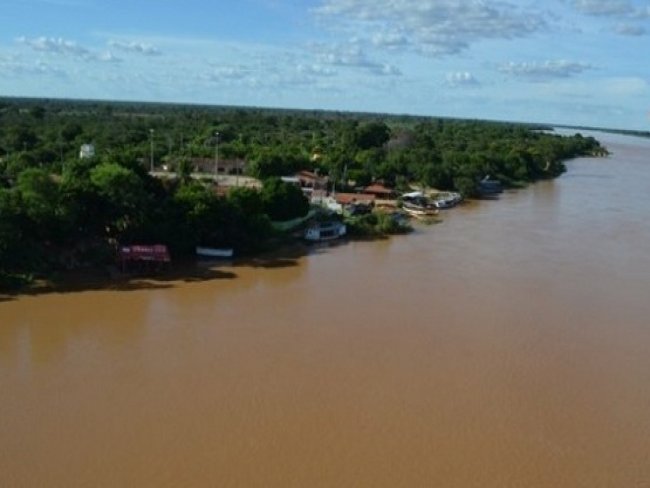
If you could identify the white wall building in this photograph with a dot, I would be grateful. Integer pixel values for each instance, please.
(87, 151)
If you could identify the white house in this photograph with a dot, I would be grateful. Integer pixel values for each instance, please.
(87, 151)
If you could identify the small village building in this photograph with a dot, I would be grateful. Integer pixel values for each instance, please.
(87, 151)
(309, 179)
(235, 166)
(292, 180)
(349, 198)
(381, 192)
(384, 196)
(343, 202)
(317, 197)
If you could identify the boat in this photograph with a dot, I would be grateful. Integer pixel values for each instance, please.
(443, 203)
(420, 211)
(325, 231)
(144, 254)
(447, 200)
(488, 186)
(214, 252)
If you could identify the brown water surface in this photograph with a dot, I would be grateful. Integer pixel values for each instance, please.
(506, 347)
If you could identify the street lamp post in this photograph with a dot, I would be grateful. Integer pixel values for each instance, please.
(216, 156)
(151, 131)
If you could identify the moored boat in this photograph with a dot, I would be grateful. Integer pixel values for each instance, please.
(325, 231)
(488, 186)
(419, 210)
(447, 200)
(214, 252)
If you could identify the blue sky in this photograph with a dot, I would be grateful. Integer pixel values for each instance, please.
(582, 62)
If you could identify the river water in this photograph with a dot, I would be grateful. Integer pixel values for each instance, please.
(508, 346)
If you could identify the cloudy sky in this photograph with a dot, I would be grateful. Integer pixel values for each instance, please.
(582, 62)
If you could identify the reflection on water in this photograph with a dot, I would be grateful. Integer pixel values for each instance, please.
(507, 346)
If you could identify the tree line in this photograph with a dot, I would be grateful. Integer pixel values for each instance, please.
(60, 211)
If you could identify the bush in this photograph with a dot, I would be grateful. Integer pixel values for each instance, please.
(376, 224)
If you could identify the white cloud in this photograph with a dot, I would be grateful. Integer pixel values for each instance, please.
(541, 71)
(461, 78)
(14, 67)
(56, 45)
(628, 14)
(629, 29)
(612, 8)
(340, 55)
(386, 70)
(135, 47)
(238, 72)
(108, 57)
(271, 79)
(63, 47)
(390, 40)
(604, 7)
(434, 27)
(641, 13)
(352, 55)
(316, 70)
(5, 58)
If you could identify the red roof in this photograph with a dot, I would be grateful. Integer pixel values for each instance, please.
(378, 189)
(308, 174)
(309, 178)
(346, 198)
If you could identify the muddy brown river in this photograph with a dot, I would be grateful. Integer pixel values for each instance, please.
(508, 346)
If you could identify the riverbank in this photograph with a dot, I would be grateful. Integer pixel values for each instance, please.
(283, 250)
(189, 270)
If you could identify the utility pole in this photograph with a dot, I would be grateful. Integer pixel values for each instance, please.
(151, 131)
(216, 156)
(61, 147)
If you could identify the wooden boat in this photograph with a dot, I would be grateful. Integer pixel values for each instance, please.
(214, 252)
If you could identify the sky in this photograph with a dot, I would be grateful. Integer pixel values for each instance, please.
(575, 62)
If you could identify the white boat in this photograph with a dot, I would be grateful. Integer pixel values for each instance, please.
(325, 231)
(447, 200)
(443, 203)
(413, 195)
(419, 210)
(214, 252)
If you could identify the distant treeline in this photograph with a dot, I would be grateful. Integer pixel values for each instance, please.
(60, 211)
(626, 132)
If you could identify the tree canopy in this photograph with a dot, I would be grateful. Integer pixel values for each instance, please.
(56, 208)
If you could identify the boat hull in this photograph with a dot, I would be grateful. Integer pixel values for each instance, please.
(325, 232)
(419, 211)
(213, 252)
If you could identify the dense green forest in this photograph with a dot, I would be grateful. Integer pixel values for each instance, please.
(58, 211)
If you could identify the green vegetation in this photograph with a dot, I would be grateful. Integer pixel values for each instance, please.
(58, 211)
(377, 224)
